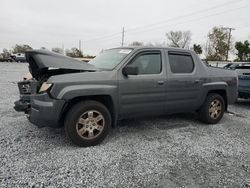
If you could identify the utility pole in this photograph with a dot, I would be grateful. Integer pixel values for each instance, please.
(80, 45)
(230, 29)
(207, 44)
(63, 49)
(123, 36)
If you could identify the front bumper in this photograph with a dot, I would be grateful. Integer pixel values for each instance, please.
(42, 110)
(21, 106)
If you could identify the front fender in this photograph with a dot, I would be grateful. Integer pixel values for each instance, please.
(73, 91)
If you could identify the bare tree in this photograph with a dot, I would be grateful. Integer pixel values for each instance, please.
(179, 39)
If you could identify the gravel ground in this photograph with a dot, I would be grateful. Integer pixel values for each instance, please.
(169, 151)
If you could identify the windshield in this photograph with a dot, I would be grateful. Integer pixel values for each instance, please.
(110, 58)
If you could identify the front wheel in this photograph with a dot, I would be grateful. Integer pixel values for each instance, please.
(213, 109)
(87, 123)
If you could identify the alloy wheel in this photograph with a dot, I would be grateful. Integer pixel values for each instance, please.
(215, 109)
(90, 124)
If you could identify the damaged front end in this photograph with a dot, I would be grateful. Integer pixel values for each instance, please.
(25, 90)
(35, 99)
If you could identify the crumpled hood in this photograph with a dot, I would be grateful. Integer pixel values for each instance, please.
(44, 59)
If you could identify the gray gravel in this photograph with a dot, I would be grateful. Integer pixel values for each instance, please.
(168, 151)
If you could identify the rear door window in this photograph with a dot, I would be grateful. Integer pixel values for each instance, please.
(180, 62)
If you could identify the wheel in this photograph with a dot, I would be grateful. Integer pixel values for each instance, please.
(87, 123)
(213, 109)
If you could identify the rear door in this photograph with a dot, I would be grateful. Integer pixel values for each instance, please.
(143, 94)
(184, 85)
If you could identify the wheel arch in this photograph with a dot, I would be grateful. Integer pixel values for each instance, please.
(106, 100)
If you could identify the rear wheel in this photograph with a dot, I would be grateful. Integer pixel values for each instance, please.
(87, 123)
(213, 109)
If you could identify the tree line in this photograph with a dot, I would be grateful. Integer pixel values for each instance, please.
(216, 48)
(22, 48)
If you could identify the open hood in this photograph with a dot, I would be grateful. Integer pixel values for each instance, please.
(41, 60)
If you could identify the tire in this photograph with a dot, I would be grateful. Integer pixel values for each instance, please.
(213, 109)
(87, 123)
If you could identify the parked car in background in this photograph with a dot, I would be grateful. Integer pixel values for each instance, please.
(19, 57)
(9, 59)
(88, 98)
(243, 71)
(230, 66)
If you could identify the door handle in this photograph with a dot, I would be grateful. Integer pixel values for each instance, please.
(160, 82)
(196, 81)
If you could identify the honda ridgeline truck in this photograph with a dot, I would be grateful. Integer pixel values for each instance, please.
(87, 99)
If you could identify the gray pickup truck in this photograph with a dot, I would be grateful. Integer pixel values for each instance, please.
(89, 98)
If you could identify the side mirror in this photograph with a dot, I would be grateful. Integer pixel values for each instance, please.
(130, 70)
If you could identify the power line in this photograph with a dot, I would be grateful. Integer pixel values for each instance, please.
(168, 20)
(165, 21)
(186, 15)
(195, 19)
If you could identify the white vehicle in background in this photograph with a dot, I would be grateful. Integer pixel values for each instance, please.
(19, 57)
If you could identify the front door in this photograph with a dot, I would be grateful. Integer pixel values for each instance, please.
(143, 94)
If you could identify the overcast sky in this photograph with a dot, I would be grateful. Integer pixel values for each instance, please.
(98, 23)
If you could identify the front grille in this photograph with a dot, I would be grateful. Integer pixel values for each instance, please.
(24, 87)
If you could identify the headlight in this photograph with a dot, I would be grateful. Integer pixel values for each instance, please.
(45, 86)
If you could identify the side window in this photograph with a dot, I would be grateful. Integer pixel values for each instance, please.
(148, 63)
(181, 63)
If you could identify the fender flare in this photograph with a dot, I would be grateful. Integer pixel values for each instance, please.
(214, 86)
